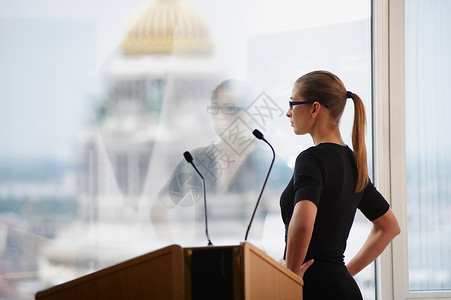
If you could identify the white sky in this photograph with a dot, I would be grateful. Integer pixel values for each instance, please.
(52, 52)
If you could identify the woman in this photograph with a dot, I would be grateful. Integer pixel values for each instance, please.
(330, 181)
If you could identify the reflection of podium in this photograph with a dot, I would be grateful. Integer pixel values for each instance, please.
(223, 272)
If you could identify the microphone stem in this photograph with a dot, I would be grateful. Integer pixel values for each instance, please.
(205, 205)
(263, 188)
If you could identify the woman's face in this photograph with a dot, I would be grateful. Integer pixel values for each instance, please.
(300, 117)
(223, 110)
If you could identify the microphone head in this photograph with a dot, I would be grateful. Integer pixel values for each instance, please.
(258, 134)
(188, 157)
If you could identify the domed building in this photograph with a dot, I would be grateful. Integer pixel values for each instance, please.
(168, 27)
(164, 62)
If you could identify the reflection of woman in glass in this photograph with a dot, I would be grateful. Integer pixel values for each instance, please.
(234, 172)
(330, 181)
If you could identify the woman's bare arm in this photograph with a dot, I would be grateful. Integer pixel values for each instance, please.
(385, 228)
(299, 234)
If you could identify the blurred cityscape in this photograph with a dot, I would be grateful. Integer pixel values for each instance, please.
(127, 190)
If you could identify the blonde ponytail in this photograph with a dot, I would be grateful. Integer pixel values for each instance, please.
(358, 142)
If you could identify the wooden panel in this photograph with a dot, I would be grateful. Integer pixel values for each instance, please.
(264, 278)
(157, 275)
(168, 274)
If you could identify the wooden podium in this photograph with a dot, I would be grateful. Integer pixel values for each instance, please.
(173, 272)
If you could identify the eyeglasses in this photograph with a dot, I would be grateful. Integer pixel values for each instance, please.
(227, 109)
(292, 103)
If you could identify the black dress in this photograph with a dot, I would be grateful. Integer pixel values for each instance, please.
(326, 175)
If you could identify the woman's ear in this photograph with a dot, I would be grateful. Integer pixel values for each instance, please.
(316, 108)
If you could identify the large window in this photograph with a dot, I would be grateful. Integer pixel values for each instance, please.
(413, 42)
(98, 105)
(428, 145)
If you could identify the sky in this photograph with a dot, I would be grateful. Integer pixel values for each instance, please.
(52, 55)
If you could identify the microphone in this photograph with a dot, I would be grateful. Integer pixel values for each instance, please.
(260, 136)
(189, 159)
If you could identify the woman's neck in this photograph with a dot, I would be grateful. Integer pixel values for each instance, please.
(327, 136)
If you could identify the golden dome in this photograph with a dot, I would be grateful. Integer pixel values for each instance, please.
(168, 27)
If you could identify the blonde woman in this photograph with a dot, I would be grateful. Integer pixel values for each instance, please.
(330, 181)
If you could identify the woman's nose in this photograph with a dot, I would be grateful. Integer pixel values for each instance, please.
(288, 114)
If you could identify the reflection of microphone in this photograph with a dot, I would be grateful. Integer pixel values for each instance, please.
(189, 159)
(259, 136)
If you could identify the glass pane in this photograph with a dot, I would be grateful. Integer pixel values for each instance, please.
(428, 44)
(100, 101)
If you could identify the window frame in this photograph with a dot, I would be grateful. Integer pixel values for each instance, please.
(390, 145)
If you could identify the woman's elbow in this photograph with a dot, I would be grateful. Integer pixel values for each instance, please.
(396, 230)
(393, 230)
(301, 229)
(388, 224)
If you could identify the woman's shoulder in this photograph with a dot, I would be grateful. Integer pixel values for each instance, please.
(311, 154)
(324, 154)
(319, 151)
(331, 150)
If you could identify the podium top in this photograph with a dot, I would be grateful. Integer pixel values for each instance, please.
(165, 274)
